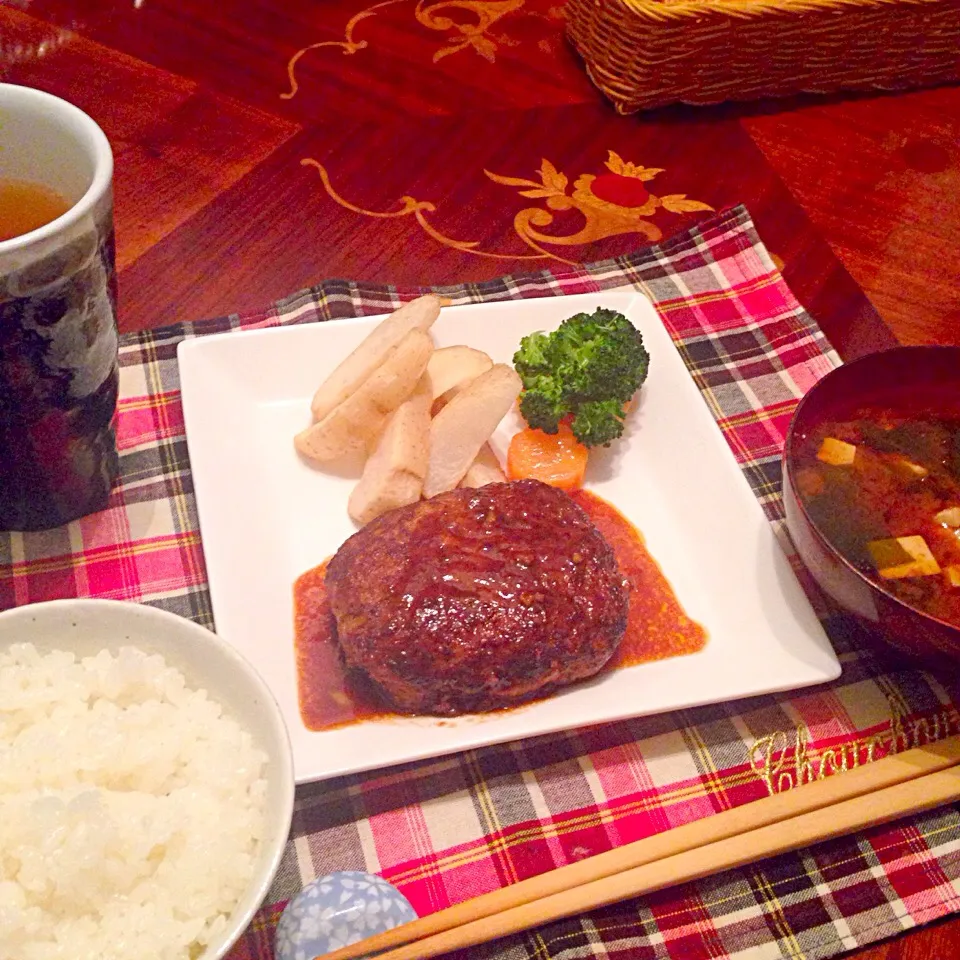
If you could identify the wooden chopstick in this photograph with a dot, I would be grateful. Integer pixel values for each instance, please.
(876, 792)
(914, 796)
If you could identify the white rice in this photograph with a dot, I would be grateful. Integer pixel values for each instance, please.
(131, 809)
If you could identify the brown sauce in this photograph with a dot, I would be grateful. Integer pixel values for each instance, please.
(657, 627)
(329, 697)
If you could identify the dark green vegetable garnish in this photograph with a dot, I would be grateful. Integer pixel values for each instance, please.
(851, 521)
(953, 455)
(919, 440)
(587, 369)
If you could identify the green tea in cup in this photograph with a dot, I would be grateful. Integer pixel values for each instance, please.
(26, 205)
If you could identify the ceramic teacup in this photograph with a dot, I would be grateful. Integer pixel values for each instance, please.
(58, 331)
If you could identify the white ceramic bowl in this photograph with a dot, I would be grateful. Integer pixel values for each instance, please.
(88, 626)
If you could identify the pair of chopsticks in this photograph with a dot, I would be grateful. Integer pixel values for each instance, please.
(878, 792)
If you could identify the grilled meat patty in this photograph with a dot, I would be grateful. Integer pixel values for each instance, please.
(477, 598)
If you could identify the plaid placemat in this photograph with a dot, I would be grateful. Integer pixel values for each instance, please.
(460, 826)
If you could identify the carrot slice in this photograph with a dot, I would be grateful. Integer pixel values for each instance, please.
(555, 458)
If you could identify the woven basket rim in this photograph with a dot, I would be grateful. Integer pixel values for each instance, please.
(664, 10)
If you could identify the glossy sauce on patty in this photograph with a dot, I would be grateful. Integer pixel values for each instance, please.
(657, 627)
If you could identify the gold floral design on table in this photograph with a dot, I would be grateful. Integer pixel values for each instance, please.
(467, 25)
(611, 204)
(474, 35)
(348, 45)
(410, 206)
(614, 203)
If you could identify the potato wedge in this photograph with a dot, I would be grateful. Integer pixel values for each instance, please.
(440, 402)
(484, 469)
(393, 476)
(450, 367)
(361, 417)
(418, 314)
(465, 424)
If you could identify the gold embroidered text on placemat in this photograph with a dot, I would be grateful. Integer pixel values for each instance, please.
(784, 762)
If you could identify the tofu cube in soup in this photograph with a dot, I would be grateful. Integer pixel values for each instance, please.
(898, 557)
(911, 469)
(949, 517)
(838, 453)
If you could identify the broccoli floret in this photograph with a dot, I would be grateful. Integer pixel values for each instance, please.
(541, 411)
(588, 368)
(597, 422)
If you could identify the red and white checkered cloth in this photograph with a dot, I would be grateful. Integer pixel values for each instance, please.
(460, 826)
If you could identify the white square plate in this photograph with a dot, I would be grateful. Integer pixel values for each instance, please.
(266, 517)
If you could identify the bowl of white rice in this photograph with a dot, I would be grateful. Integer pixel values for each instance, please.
(146, 785)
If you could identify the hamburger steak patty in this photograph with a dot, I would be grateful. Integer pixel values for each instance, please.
(477, 598)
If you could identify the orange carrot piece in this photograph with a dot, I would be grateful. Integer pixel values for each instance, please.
(555, 458)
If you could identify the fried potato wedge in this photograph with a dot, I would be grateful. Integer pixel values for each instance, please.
(451, 367)
(356, 421)
(465, 424)
(418, 314)
(484, 469)
(393, 475)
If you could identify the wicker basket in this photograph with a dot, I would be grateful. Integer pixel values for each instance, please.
(647, 53)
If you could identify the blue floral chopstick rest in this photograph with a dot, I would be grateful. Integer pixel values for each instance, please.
(336, 910)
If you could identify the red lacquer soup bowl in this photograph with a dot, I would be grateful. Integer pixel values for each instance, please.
(871, 477)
